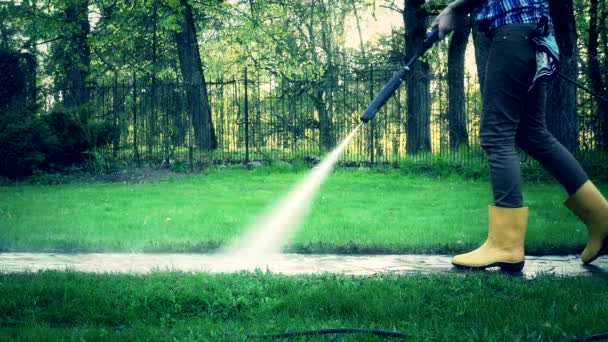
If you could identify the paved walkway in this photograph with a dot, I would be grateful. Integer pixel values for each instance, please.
(290, 264)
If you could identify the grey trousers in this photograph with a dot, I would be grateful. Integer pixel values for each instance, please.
(513, 115)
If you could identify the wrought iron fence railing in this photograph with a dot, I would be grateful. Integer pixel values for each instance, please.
(259, 117)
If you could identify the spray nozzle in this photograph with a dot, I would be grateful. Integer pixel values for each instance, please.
(392, 85)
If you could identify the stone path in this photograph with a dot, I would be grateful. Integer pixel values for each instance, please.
(290, 264)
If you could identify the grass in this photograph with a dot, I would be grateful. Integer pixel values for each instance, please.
(160, 306)
(355, 212)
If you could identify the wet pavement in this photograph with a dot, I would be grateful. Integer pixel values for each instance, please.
(290, 264)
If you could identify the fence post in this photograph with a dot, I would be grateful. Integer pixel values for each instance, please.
(116, 138)
(371, 123)
(246, 120)
(135, 146)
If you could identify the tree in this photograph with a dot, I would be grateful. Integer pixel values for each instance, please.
(75, 54)
(561, 104)
(418, 128)
(12, 80)
(599, 79)
(301, 44)
(323, 88)
(194, 79)
(456, 96)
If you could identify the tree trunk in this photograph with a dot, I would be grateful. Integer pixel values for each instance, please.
(598, 84)
(77, 54)
(456, 97)
(418, 129)
(323, 95)
(561, 104)
(194, 81)
(326, 125)
(326, 139)
(418, 133)
(28, 65)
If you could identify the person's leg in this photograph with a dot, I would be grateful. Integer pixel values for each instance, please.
(535, 139)
(585, 199)
(510, 68)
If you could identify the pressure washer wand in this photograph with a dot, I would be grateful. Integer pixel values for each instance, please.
(392, 85)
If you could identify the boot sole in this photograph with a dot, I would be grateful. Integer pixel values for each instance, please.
(603, 251)
(504, 266)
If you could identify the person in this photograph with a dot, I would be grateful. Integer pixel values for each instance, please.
(513, 112)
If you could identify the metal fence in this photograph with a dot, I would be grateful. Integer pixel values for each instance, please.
(264, 118)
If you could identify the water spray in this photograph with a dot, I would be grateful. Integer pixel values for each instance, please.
(268, 236)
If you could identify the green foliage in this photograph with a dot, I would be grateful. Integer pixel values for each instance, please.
(180, 166)
(24, 138)
(171, 23)
(40, 177)
(80, 144)
(287, 40)
(12, 82)
(101, 133)
(97, 161)
(25, 142)
(71, 140)
(300, 164)
(52, 142)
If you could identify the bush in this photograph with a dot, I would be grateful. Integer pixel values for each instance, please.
(71, 140)
(54, 142)
(25, 143)
(101, 134)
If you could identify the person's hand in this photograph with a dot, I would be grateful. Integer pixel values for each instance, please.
(446, 21)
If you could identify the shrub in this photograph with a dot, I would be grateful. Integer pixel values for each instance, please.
(25, 143)
(53, 142)
(102, 133)
(71, 140)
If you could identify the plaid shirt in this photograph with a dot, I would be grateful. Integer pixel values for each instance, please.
(495, 13)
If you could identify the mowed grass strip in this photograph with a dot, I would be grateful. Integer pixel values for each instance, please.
(461, 307)
(355, 212)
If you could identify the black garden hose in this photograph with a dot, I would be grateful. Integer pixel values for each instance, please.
(386, 333)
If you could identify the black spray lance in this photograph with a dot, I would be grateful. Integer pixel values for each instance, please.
(392, 85)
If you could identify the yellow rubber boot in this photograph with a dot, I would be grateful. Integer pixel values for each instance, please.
(504, 246)
(591, 207)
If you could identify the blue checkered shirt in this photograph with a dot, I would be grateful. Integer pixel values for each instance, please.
(495, 13)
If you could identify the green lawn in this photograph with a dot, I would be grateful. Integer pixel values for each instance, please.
(203, 307)
(355, 212)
